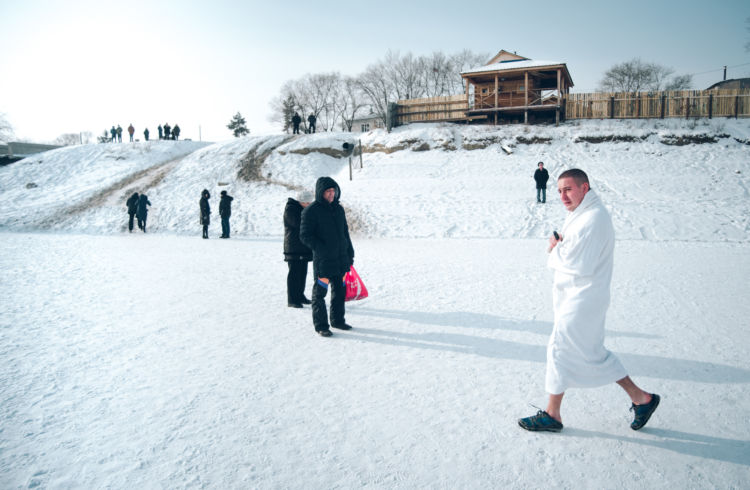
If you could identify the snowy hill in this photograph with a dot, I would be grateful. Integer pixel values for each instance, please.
(662, 180)
(162, 360)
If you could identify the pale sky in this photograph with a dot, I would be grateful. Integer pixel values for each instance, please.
(72, 66)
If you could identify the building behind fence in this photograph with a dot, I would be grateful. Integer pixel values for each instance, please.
(642, 105)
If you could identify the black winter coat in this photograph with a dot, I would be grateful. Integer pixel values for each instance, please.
(541, 177)
(225, 206)
(132, 203)
(294, 249)
(325, 231)
(143, 202)
(205, 209)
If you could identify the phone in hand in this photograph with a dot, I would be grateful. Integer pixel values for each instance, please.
(557, 236)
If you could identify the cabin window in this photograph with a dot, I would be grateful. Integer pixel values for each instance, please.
(521, 88)
(365, 127)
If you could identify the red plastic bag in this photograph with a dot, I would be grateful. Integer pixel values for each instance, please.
(355, 287)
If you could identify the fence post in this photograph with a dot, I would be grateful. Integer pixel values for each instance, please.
(612, 107)
(360, 153)
(710, 105)
(687, 107)
(350, 167)
(663, 104)
(736, 105)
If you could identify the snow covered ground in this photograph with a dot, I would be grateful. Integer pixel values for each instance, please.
(167, 361)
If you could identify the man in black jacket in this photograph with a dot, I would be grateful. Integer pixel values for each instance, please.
(225, 211)
(205, 211)
(541, 176)
(296, 254)
(132, 204)
(325, 231)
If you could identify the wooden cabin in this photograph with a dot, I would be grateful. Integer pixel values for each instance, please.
(511, 88)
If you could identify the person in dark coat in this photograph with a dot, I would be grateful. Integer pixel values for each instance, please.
(119, 134)
(324, 230)
(205, 211)
(113, 132)
(225, 211)
(295, 123)
(145, 134)
(161, 132)
(296, 254)
(132, 204)
(311, 119)
(142, 212)
(176, 132)
(541, 176)
(167, 131)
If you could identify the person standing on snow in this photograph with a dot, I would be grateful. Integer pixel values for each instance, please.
(311, 119)
(113, 132)
(205, 211)
(295, 123)
(119, 134)
(324, 230)
(131, 131)
(582, 260)
(296, 254)
(142, 212)
(145, 134)
(167, 131)
(225, 211)
(161, 132)
(541, 176)
(132, 204)
(176, 132)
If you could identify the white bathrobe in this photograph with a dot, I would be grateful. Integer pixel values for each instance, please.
(582, 265)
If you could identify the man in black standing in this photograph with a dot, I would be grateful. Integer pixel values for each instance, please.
(205, 211)
(325, 231)
(296, 254)
(225, 211)
(311, 119)
(295, 123)
(541, 176)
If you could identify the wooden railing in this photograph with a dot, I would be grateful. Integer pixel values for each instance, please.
(683, 103)
(432, 109)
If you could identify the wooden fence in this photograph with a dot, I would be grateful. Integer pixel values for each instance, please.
(432, 109)
(683, 103)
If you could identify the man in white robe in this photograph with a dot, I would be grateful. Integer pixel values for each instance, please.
(582, 260)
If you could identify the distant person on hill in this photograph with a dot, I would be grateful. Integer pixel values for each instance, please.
(225, 211)
(145, 134)
(167, 131)
(176, 132)
(324, 230)
(295, 123)
(113, 132)
(119, 134)
(311, 119)
(581, 257)
(541, 176)
(142, 212)
(296, 254)
(131, 131)
(132, 204)
(161, 132)
(205, 211)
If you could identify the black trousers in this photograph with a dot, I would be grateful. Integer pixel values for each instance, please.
(130, 221)
(338, 295)
(295, 281)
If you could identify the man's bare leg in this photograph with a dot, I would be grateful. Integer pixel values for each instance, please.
(637, 395)
(553, 406)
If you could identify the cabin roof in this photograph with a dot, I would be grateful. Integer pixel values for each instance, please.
(513, 65)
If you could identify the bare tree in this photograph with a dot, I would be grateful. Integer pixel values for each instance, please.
(378, 89)
(636, 75)
(6, 130)
(460, 62)
(352, 102)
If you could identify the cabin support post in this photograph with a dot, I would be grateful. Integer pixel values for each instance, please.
(526, 98)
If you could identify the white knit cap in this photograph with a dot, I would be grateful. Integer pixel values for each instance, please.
(305, 196)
